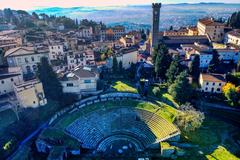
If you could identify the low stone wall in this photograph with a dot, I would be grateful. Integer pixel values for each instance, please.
(96, 99)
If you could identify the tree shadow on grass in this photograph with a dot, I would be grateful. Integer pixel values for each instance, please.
(214, 140)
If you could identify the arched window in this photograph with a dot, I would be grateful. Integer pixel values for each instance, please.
(28, 68)
(34, 68)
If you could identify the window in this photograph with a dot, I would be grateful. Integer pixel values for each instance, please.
(220, 84)
(26, 60)
(12, 79)
(207, 83)
(213, 84)
(206, 89)
(69, 84)
(32, 58)
(218, 89)
(34, 102)
(2, 81)
(87, 81)
(34, 67)
(19, 60)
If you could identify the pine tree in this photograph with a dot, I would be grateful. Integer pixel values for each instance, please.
(115, 65)
(76, 22)
(194, 67)
(120, 67)
(214, 63)
(51, 85)
(181, 90)
(234, 20)
(162, 62)
(238, 66)
(174, 70)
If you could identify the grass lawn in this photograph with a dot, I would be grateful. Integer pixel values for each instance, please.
(221, 153)
(121, 86)
(56, 134)
(164, 96)
(213, 141)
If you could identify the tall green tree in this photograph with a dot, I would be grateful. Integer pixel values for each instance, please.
(162, 62)
(120, 67)
(143, 35)
(214, 63)
(131, 71)
(51, 85)
(174, 70)
(194, 67)
(115, 64)
(181, 90)
(238, 66)
(234, 20)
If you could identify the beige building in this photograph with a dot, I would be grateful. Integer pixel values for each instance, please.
(85, 32)
(128, 56)
(233, 37)
(214, 30)
(211, 83)
(180, 32)
(192, 31)
(81, 80)
(30, 94)
(118, 31)
(9, 77)
(56, 51)
(128, 41)
(25, 57)
(75, 58)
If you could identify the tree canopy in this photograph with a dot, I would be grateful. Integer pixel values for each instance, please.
(181, 90)
(232, 94)
(51, 85)
(189, 119)
(214, 63)
(174, 70)
(234, 20)
(115, 64)
(194, 67)
(162, 62)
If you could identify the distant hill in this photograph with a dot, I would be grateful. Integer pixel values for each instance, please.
(136, 16)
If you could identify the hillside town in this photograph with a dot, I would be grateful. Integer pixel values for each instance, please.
(48, 61)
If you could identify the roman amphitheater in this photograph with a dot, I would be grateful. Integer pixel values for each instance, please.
(114, 124)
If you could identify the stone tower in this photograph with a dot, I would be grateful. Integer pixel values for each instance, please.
(155, 23)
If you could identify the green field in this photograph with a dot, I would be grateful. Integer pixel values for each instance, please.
(213, 141)
(121, 86)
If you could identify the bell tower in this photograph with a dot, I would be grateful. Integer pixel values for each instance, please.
(155, 23)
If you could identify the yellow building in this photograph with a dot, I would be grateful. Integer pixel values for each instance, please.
(214, 30)
(211, 83)
(180, 32)
(30, 94)
(192, 31)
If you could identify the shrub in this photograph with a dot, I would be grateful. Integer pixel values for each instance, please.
(156, 91)
(189, 119)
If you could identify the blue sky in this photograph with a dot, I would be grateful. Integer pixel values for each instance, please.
(33, 4)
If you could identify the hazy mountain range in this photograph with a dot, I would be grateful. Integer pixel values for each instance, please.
(140, 16)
